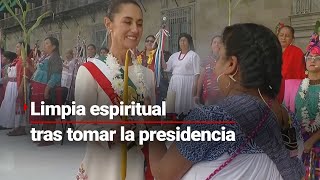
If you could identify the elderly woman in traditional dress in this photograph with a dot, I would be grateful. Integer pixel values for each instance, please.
(100, 83)
(185, 67)
(8, 105)
(20, 121)
(45, 82)
(249, 75)
(307, 104)
(293, 66)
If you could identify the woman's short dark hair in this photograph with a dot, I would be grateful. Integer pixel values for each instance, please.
(190, 41)
(10, 55)
(28, 47)
(114, 7)
(54, 41)
(104, 48)
(259, 55)
(93, 46)
(152, 36)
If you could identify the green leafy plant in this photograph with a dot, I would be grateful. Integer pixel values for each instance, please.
(317, 28)
(22, 20)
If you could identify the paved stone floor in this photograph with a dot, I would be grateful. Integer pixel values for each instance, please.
(21, 159)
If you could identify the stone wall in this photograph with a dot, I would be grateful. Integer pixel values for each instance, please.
(210, 17)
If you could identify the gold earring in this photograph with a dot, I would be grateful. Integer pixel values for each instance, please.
(232, 76)
(228, 84)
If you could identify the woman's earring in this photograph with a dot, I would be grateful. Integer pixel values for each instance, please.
(219, 78)
(228, 85)
(232, 76)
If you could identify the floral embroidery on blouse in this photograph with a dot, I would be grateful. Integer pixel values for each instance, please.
(82, 174)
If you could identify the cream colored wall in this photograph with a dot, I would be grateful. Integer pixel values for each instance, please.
(211, 16)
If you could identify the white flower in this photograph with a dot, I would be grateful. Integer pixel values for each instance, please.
(304, 87)
(139, 90)
(305, 83)
(117, 81)
(302, 95)
(113, 66)
(307, 123)
(140, 76)
(117, 85)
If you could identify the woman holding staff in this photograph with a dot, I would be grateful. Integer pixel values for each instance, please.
(102, 83)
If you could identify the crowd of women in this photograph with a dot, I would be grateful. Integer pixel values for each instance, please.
(253, 76)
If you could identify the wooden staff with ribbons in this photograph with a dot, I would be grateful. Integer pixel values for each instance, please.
(160, 39)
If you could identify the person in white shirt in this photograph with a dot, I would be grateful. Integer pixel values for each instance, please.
(64, 77)
(92, 53)
(185, 68)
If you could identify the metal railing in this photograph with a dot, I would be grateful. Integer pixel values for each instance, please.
(305, 6)
(57, 7)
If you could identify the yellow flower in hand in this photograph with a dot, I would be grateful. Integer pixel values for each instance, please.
(150, 57)
(139, 59)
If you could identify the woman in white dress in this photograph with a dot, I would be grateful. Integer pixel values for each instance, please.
(8, 106)
(185, 67)
(249, 75)
(102, 160)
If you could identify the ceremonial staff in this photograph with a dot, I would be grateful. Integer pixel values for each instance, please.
(125, 101)
(160, 39)
(0, 53)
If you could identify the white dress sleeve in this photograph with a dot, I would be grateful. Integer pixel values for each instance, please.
(170, 63)
(196, 64)
(152, 86)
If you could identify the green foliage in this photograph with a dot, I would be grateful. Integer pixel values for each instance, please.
(22, 20)
(23, 23)
(317, 27)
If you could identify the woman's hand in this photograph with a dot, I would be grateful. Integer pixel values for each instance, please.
(47, 93)
(147, 101)
(311, 141)
(20, 92)
(308, 145)
(196, 100)
(117, 136)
